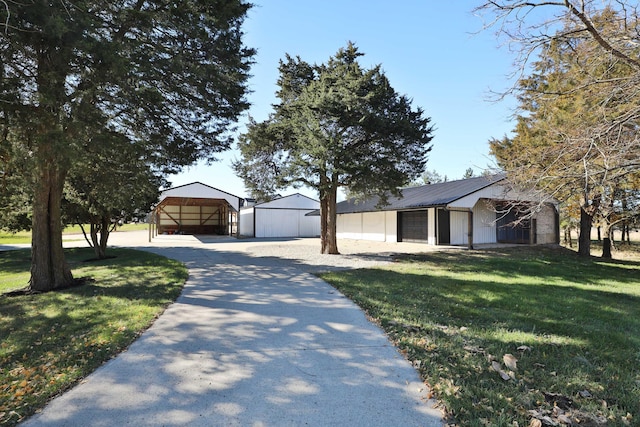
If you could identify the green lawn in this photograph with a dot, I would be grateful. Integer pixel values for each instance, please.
(49, 342)
(573, 324)
(8, 238)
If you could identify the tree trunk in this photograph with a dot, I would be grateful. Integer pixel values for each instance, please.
(599, 234)
(567, 237)
(323, 222)
(625, 231)
(104, 236)
(606, 242)
(99, 243)
(328, 218)
(584, 239)
(49, 270)
(332, 217)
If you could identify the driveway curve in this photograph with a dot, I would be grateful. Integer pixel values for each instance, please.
(252, 341)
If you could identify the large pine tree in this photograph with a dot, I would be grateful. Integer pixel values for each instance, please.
(169, 75)
(336, 125)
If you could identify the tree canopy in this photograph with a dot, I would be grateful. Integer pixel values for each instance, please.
(576, 137)
(336, 125)
(169, 76)
(114, 184)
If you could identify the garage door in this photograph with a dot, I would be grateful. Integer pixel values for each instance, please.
(512, 230)
(412, 226)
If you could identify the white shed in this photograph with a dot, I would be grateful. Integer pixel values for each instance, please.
(282, 217)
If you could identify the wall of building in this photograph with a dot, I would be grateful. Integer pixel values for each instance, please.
(431, 227)
(375, 226)
(285, 223)
(546, 225)
(278, 223)
(382, 226)
(246, 222)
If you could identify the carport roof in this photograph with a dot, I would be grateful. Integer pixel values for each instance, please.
(432, 195)
(191, 201)
(197, 193)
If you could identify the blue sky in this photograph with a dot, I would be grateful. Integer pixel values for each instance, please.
(431, 50)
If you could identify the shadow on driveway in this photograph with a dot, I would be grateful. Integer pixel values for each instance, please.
(251, 341)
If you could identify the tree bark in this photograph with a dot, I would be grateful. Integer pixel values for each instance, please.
(328, 219)
(104, 236)
(625, 232)
(99, 243)
(584, 239)
(332, 240)
(567, 237)
(49, 270)
(606, 242)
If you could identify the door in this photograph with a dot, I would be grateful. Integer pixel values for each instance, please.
(412, 226)
(443, 227)
(511, 230)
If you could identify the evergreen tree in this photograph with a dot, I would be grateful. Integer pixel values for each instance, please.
(170, 75)
(336, 125)
(113, 185)
(575, 139)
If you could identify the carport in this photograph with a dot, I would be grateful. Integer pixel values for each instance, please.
(195, 208)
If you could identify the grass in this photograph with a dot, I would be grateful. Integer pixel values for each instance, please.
(8, 238)
(453, 313)
(49, 342)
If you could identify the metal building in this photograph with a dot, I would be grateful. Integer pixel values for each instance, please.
(196, 208)
(282, 217)
(462, 212)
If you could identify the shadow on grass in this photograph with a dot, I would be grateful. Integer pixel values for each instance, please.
(453, 312)
(14, 261)
(51, 340)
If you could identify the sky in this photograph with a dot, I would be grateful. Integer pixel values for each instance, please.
(433, 51)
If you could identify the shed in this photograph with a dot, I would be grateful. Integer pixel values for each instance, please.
(461, 212)
(283, 217)
(196, 208)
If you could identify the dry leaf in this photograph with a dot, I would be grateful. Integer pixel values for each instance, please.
(535, 423)
(585, 394)
(498, 368)
(565, 420)
(524, 348)
(562, 402)
(510, 361)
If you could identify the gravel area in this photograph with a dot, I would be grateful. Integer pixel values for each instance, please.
(354, 254)
(304, 253)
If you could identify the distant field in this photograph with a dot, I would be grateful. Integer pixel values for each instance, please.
(634, 235)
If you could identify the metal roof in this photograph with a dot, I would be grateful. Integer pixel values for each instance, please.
(198, 192)
(432, 195)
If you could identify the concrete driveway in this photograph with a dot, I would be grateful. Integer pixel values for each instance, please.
(252, 341)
